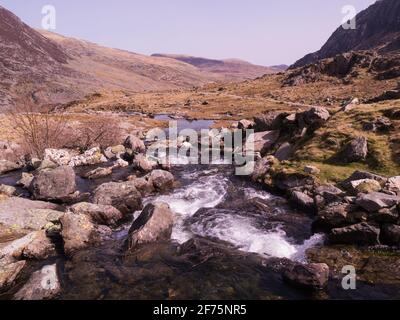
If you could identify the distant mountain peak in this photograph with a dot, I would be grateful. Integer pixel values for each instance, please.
(378, 28)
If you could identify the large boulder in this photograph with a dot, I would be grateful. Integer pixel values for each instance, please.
(43, 284)
(269, 121)
(356, 150)
(78, 232)
(22, 216)
(122, 195)
(313, 118)
(261, 142)
(333, 216)
(161, 180)
(364, 186)
(284, 152)
(100, 214)
(55, 184)
(375, 201)
(9, 274)
(358, 234)
(143, 185)
(302, 201)
(312, 276)
(154, 224)
(8, 166)
(135, 144)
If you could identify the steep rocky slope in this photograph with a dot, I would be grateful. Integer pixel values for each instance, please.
(377, 27)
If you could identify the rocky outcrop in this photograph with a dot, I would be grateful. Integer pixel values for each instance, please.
(360, 234)
(124, 196)
(154, 224)
(55, 184)
(99, 214)
(312, 276)
(43, 284)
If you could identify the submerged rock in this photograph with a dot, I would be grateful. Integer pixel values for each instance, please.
(154, 224)
(42, 285)
(55, 184)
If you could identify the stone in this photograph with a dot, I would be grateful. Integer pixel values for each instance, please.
(356, 150)
(143, 185)
(352, 105)
(245, 124)
(375, 201)
(269, 121)
(312, 170)
(333, 216)
(365, 186)
(284, 152)
(8, 191)
(78, 232)
(120, 163)
(54, 184)
(302, 201)
(361, 175)
(10, 151)
(46, 164)
(386, 215)
(98, 173)
(391, 234)
(9, 274)
(393, 185)
(35, 245)
(260, 170)
(43, 284)
(358, 234)
(261, 142)
(99, 214)
(26, 180)
(60, 157)
(315, 117)
(90, 157)
(135, 144)
(161, 180)
(8, 166)
(24, 216)
(329, 193)
(114, 152)
(144, 163)
(122, 195)
(153, 225)
(312, 276)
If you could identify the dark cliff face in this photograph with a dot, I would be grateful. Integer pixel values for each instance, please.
(378, 28)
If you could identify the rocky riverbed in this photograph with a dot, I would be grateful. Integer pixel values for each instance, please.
(115, 224)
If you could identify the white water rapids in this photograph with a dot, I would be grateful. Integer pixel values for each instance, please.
(208, 190)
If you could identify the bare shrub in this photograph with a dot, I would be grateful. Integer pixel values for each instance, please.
(38, 128)
(99, 131)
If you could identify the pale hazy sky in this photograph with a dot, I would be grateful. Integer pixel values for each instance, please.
(265, 32)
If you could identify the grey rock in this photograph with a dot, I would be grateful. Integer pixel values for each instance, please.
(356, 150)
(100, 214)
(312, 276)
(359, 234)
(8, 166)
(375, 201)
(161, 180)
(9, 274)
